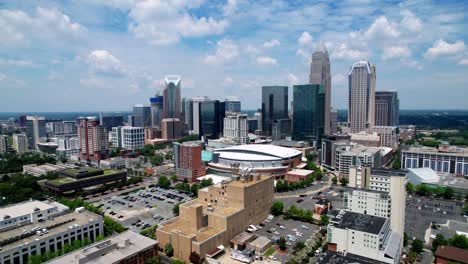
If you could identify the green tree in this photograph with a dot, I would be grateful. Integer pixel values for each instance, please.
(164, 182)
(459, 241)
(335, 180)
(195, 258)
(405, 239)
(177, 262)
(169, 250)
(343, 181)
(410, 188)
(153, 260)
(277, 208)
(417, 246)
(448, 194)
(157, 160)
(438, 241)
(422, 189)
(324, 220)
(173, 177)
(175, 210)
(299, 246)
(282, 243)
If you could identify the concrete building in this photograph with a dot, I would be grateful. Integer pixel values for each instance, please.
(157, 106)
(361, 105)
(388, 135)
(110, 120)
(20, 143)
(117, 163)
(94, 140)
(172, 107)
(68, 147)
(387, 108)
(35, 130)
(364, 235)
(263, 159)
(49, 235)
(141, 116)
(309, 113)
(365, 139)
(333, 121)
(328, 149)
(61, 128)
(444, 160)
(274, 106)
(235, 128)
(407, 133)
(347, 156)
(171, 129)
(187, 160)
(320, 74)
(281, 128)
(126, 247)
(40, 170)
(220, 213)
(128, 137)
(3, 144)
(29, 212)
(233, 105)
(379, 192)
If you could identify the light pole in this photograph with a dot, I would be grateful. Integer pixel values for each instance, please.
(2, 199)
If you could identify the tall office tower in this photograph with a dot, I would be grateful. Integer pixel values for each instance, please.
(22, 120)
(274, 106)
(61, 128)
(110, 120)
(141, 116)
(171, 128)
(156, 110)
(20, 143)
(172, 102)
(188, 114)
(130, 137)
(235, 127)
(187, 161)
(320, 74)
(281, 129)
(233, 105)
(94, 140)
(361, 104)
(35, 130)
(195, 120)
(333, 121)
(309, 112)
(387, 108)
(211, 118)
(3, 144)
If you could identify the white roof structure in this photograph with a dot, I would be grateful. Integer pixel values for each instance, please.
(215, 178)
(258, 152)
(172, 79)
(25, 208)
(423, 175)
(361, 64)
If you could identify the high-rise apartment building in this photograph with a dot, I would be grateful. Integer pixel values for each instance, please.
(142, 116)
(361, 104)
(235, 127)
(233, 105)
(3, 144)
(309, 112)
(128, 137)
(187, 161)
(61, 128)
(35, 130)
(171, 128)
(20, 143)
(274, 106)
(110, 120)
(320, 74)
(387, 108)
(94, 140)
(172, 97)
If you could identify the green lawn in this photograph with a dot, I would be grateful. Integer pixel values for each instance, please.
(62, 180)
(269, 252)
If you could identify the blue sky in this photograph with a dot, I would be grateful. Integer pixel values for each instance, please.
(94, 55)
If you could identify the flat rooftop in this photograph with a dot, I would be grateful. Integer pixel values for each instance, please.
(330, 257)
(111, 250)
(450, 151)
(261, 242)
(64, 223)
(388, 172)
(361, 222)
(65, 180)
(300, 172)
(25, 208)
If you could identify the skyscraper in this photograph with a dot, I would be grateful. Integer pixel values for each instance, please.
(274, 106)
(235, 127)
(3, 144)
(35, 130)
(20, 143)
(333, 121)
(94, 140)
(156, 110)
(194, 122)
(187, 161)
(320, 74)
(172, 99)
(233, 105)
(361, 104)
(387, 108)
(211, 118)
(142, 116)
(110, 120)
(309, 112)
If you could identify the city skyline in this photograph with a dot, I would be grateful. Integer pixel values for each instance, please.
(111, 55)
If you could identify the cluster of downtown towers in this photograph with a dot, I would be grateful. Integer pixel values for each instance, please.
(311, 115)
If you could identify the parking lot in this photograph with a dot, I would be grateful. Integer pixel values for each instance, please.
(143, 208)
(422, 211)
(293, 231)
(307, 202)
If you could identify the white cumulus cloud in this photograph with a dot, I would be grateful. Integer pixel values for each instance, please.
(271, 43)
(392, 52)
(268, 61)
(226, 50)
(443, 48)
(305, 39)
(102, 61)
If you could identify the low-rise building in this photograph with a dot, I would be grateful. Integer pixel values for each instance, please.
(127, 247)
(352, 155)
(32, 211)
(388, 135)
(364, 235)
(297, 175)
(220, 213)
(450, 254)
(113, 163)
(39, 170)
(366, 139)
(53, 234)
(260, 245)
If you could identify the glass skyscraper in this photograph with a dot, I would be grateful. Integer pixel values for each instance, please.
(211, 117)
(172, 99)
(274, 106)
(141, 116)
(387, 108)
(309, 112)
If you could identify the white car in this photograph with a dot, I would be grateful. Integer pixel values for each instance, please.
(253, 227)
